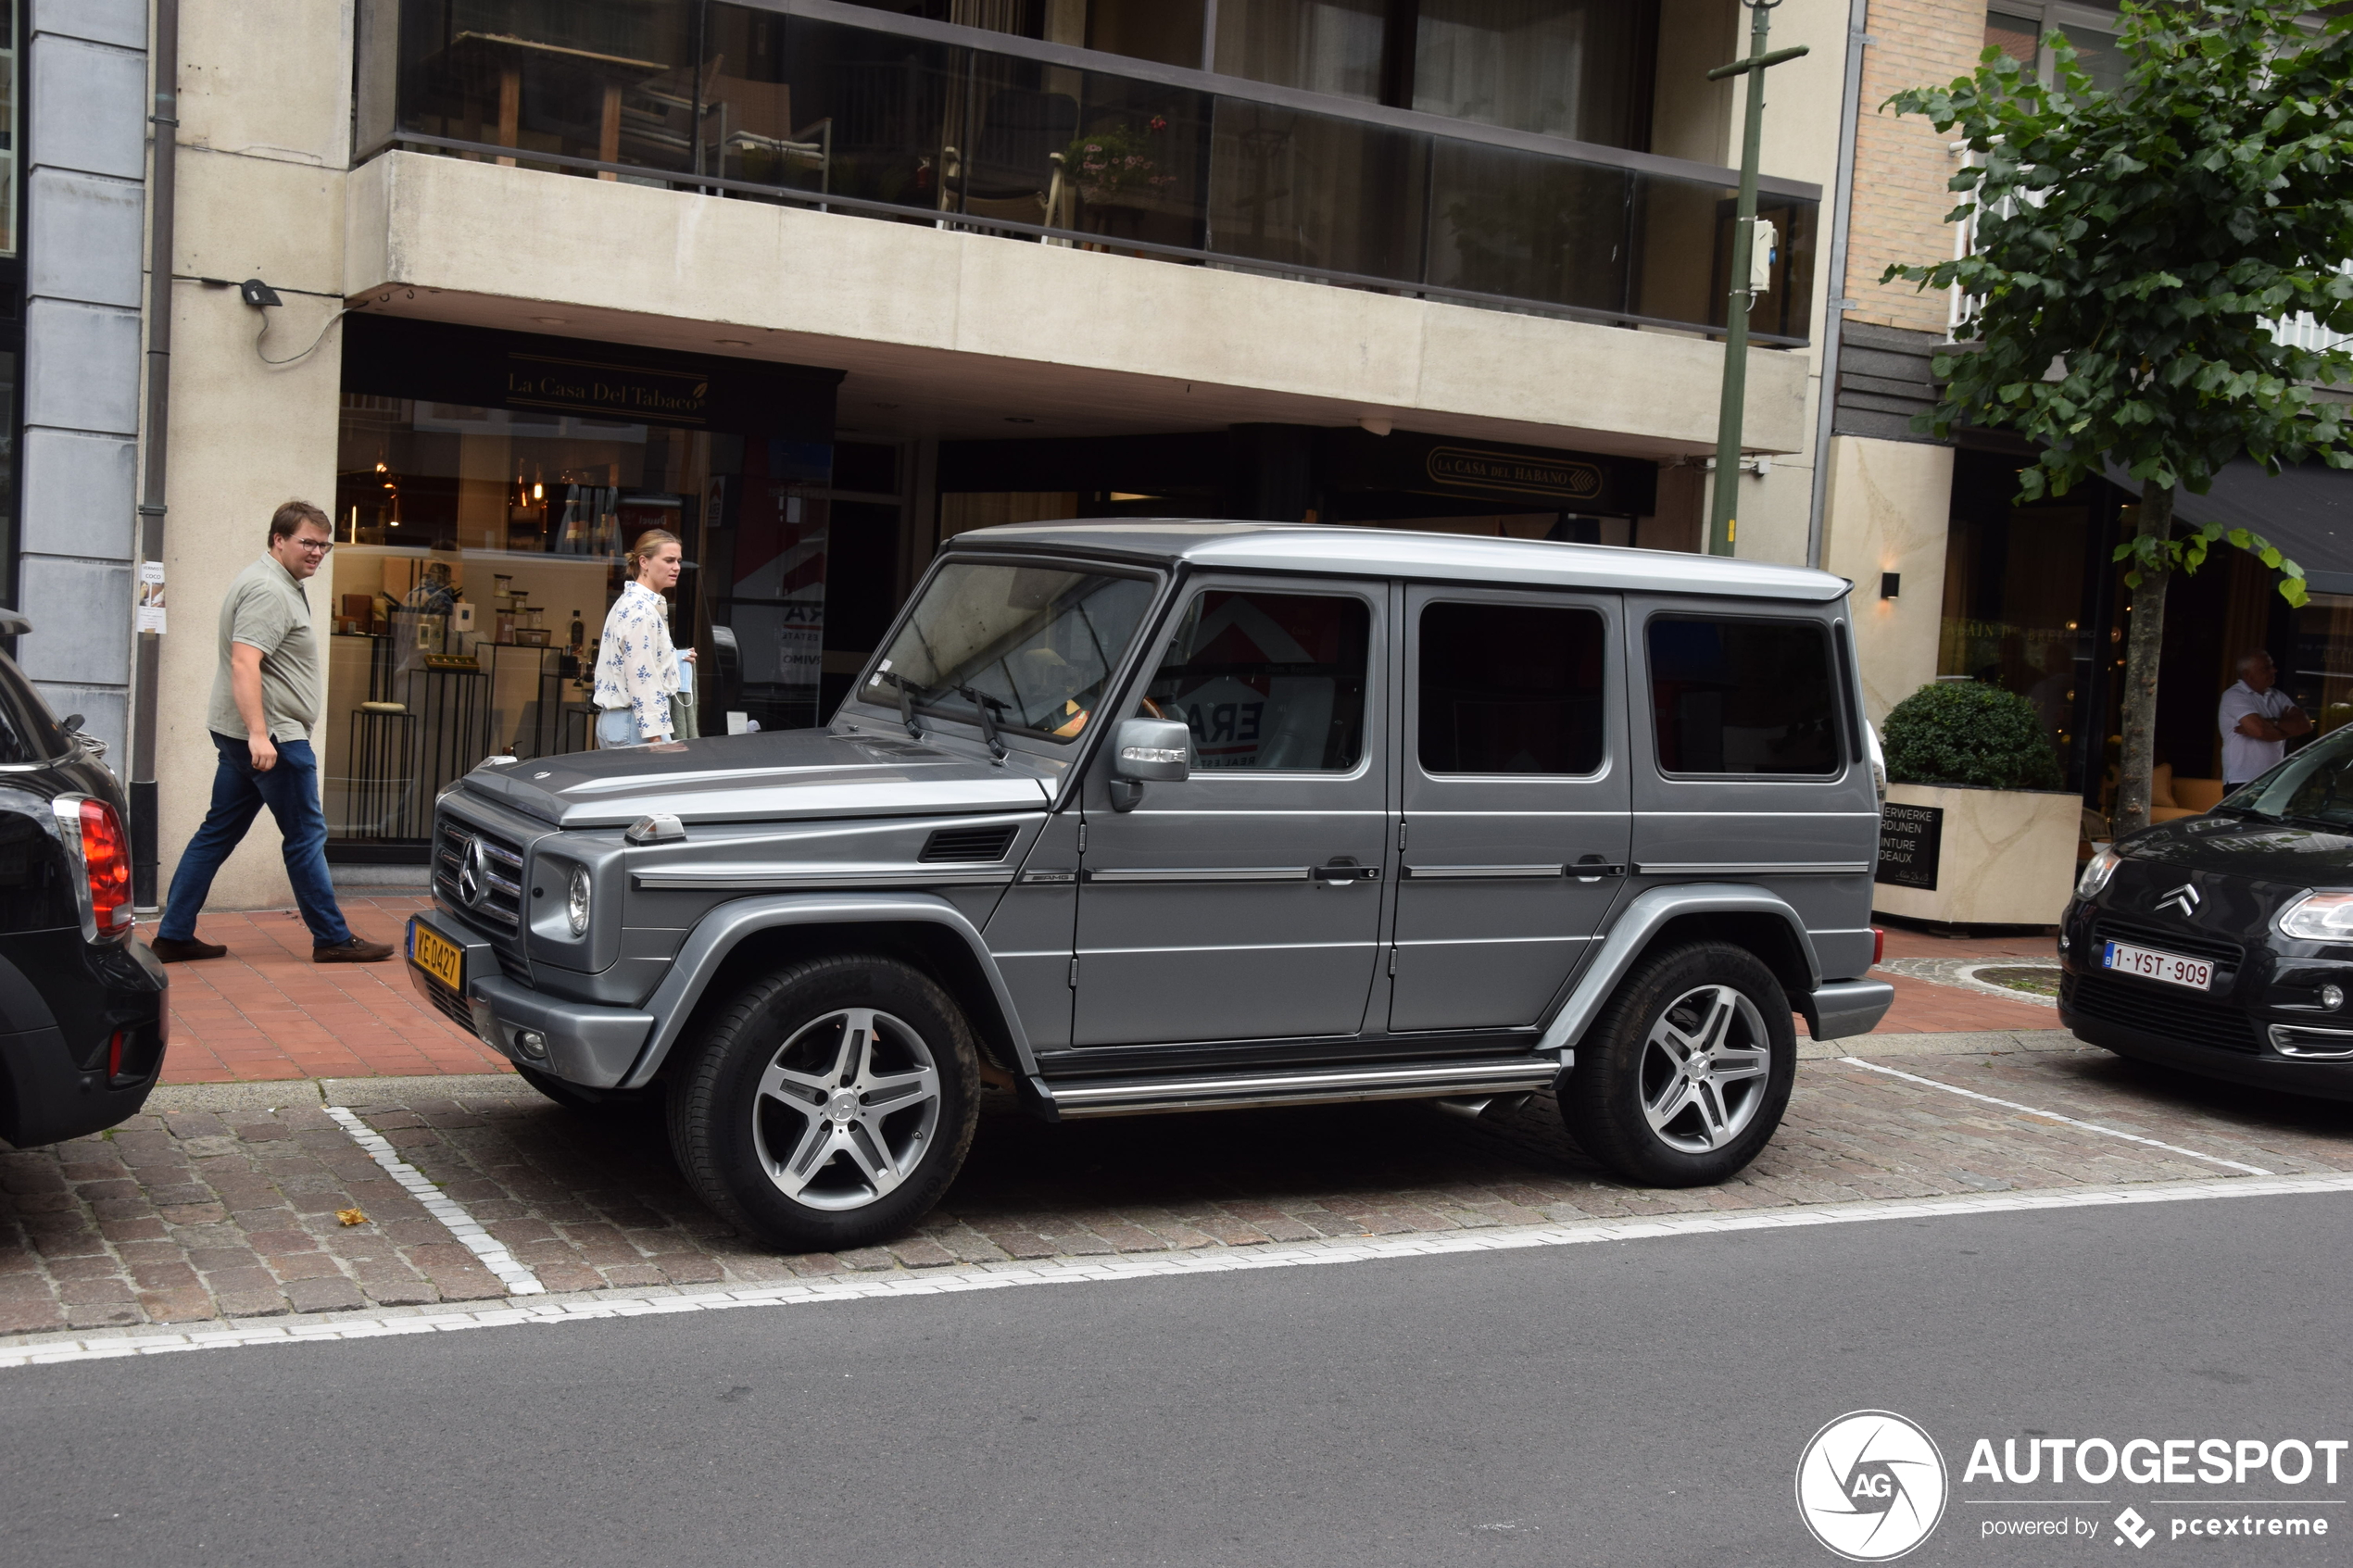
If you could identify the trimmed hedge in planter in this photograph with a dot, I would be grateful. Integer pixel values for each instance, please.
(1969, 733)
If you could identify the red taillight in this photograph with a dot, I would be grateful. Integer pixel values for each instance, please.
(106, 860)
(1878, 946)
(114, 1056)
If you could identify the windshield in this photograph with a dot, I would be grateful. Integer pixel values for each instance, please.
(2314, 785)
(1037, 644)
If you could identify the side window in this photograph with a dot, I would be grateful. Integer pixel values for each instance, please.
(1510, 689)
(1267, 683)
(1736, 696)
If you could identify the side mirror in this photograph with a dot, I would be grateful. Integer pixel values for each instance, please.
(1148, 751)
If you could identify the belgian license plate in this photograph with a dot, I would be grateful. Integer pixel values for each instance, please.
(437, 956)
(2150, 964)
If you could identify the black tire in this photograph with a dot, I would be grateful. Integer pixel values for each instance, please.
(805, 1168)
(1607, 1100)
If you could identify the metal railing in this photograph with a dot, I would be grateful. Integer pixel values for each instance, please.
(842, 108)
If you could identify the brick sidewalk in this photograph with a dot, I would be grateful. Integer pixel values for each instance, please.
(266, 1012)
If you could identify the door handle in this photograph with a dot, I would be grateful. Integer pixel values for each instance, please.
(1591, 868)
(1345, 876)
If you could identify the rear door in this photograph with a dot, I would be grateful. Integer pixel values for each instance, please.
(1515, 799)
(1245, 902)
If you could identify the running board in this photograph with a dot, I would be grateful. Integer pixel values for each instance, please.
(1071, 1100)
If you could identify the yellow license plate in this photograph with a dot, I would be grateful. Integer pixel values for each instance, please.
(437, 956)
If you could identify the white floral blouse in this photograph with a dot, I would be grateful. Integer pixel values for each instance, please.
(638, 668)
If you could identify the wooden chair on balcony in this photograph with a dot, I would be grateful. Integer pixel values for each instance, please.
(1015, 171)
(749, 133)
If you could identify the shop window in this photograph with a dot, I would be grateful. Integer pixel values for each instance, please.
(2322, 681)
(1267, 683)
(1737, 695)
(1510, 689)
(2017, 580)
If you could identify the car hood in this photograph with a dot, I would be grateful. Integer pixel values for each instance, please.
(2235, 845)
(765, 777)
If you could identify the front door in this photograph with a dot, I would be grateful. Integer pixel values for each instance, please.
(1514, 782)
(1245, 903)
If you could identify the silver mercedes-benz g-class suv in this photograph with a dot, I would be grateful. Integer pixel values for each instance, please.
(1139, 817)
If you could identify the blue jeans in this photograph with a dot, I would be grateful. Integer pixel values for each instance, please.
(239, 792)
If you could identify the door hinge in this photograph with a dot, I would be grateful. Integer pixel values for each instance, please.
(1074, 974)
(1082, 838)
(1393, 960)
(1401, 835)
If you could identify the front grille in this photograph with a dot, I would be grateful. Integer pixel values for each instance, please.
(497, 875)
(2168, 940)
(968, 844)
(2155, 1008)
(450, 1003)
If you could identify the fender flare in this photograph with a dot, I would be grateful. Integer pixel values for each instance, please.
(718, 933)
(1640, 920)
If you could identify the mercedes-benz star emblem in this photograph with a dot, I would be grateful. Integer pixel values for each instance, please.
(471, 879)
(2183, 899)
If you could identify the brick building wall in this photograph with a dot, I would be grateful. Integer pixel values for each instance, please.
(1901, 164)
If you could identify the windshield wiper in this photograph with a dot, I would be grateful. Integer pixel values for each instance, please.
(907, 691)
(982, 702)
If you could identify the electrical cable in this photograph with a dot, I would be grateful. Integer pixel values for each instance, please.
(306, 353)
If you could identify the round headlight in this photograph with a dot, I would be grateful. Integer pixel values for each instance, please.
(576, 901)
(2320, 917)
(2096, 871)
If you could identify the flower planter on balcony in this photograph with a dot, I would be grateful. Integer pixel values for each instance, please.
(1999, 857)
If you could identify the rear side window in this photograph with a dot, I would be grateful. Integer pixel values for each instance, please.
(1736, 696)
(29, 731)
(1510, 689)
(1267, 683)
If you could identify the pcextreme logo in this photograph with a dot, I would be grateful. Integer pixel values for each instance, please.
(1871, 1485)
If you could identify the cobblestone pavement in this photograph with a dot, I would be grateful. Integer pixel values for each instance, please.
(194, 1214)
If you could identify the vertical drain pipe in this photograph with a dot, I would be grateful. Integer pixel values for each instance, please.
(164, 60)
(1842, 217)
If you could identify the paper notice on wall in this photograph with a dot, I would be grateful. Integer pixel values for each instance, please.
(148, 615)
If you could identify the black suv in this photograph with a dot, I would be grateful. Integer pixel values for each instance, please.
(82, 1020)
(2224, 944)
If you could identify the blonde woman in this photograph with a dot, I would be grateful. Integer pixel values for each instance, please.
(637, 666)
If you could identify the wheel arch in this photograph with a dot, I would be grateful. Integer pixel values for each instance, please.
(1660, 918)
(739, 940)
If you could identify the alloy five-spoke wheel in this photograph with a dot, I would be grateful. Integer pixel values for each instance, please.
(846, 1109)
(829, 1105)
(1683, 1077)
(1704, 1068)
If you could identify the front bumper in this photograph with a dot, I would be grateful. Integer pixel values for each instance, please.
(578, 1042)
(2263, 1069)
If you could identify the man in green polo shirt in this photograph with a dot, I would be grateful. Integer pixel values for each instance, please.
(265, 699)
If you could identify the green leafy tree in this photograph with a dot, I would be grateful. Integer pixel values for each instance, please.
(2131, 247)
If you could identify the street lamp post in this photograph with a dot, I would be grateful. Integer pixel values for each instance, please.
(1725, 494)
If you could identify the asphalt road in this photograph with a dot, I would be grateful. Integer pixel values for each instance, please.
(1619, 1403)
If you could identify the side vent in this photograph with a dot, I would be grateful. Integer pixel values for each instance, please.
(968, 844)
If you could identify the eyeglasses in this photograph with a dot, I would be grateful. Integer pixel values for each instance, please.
(319, 545)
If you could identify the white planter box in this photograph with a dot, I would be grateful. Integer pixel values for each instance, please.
(2006, 856)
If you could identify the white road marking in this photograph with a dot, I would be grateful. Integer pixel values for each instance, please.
(518, 1279)
(1075, 1271)
(2055, 1116)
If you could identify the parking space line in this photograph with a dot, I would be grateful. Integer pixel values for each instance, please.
(2055, 1116)
(518, 1279)
(1076, 1271)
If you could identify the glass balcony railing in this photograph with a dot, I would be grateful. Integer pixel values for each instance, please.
(856, 110)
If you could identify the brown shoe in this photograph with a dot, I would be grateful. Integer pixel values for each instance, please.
(167, 950)
(353, 951)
